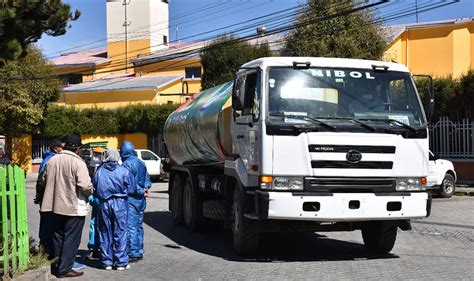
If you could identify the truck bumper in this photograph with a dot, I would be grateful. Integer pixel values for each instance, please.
(342, 207)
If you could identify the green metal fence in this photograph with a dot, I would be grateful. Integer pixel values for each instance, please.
(14, 243)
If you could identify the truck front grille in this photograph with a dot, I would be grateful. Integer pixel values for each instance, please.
(350, 184)
(323, 164)
(347, 148)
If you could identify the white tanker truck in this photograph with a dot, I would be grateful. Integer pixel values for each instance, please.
(303, 144)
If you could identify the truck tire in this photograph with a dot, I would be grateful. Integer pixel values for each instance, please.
(448, 186)
(379, 237)
(192, 207)
(176, 200)
(246, 241)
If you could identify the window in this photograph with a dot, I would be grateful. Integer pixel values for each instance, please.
(165, 1)
(70, 79)
(193, 72)
(146, 155)
(169, 102)
(165, 39)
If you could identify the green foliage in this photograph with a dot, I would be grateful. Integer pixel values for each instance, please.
(355, 35)
(23, 101)
(454, 98)
(222, 58)
(62, 121)
(23, 22)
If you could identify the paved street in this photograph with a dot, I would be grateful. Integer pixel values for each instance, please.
(440, 247)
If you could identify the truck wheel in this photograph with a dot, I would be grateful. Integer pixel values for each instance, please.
(176, 201)
(379, 237)
(245, 240)
(447, 187)
(192, 208)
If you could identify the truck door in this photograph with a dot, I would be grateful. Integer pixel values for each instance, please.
(247, 120)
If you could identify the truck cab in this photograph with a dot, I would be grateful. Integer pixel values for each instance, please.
(323, 144)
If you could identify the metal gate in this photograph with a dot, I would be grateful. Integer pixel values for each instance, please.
(450, 139)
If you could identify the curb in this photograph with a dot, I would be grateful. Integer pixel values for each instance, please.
(464, 192)
(42, 273)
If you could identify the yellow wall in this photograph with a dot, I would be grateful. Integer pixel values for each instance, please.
(439, 51)
(22, 152)
(139, 140)
(108, 99)
(116, 51)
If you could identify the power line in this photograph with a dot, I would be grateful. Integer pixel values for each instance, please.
(247, 38)
(192, 12)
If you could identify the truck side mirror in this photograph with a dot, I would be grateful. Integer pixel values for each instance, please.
(429, 103)
(238, 93)
(429, 99)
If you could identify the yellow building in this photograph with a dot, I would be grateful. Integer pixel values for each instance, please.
(438, 48)
(122, 73)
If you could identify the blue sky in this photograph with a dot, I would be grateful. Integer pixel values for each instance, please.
(90, 29)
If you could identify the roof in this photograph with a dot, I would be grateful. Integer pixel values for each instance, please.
(122, 83)
(324, 62)
(393, 31)
(90, 57)
(192, 49)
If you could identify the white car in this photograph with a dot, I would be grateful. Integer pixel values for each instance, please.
(441, 177)
(152, 162)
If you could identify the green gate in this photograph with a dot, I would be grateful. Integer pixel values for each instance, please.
(14, 243)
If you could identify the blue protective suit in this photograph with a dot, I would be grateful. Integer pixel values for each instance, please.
(113, 184)
(94, 242)
(47, 155)
(136, 201)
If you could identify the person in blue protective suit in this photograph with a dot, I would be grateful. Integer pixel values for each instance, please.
(136, 201)
(97, 158)
(113, 184)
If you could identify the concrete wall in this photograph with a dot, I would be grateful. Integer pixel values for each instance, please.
(439, 51)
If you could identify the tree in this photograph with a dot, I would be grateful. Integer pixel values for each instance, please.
(354, 35)
(25, 93)
(23, 22)
(224, 56)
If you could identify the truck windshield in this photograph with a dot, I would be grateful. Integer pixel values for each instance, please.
(341, 94)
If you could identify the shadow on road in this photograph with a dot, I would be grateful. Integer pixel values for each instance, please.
(215, 241)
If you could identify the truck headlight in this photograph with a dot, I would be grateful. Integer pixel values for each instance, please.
(411, 184)
(281, 183)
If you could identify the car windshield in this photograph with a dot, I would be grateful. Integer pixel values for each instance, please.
(343, 94)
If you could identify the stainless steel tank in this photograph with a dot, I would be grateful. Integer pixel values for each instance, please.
(199, 131)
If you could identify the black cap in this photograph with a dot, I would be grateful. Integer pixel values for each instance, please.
(73, 141)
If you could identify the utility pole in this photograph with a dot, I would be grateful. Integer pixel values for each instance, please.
(126, 24)
(416, 10)
(177, 28)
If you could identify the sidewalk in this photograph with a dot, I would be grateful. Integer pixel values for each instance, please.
(31, 178)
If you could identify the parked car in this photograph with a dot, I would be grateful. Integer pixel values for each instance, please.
(152, 163)
(441, 177)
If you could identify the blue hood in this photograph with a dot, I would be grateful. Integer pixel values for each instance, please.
(126, 150)
(48, 153)
(111, 166)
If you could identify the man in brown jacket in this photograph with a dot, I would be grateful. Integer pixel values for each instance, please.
(67, 186)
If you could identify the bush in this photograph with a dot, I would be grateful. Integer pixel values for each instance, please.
(62, 121)
(454, 98)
